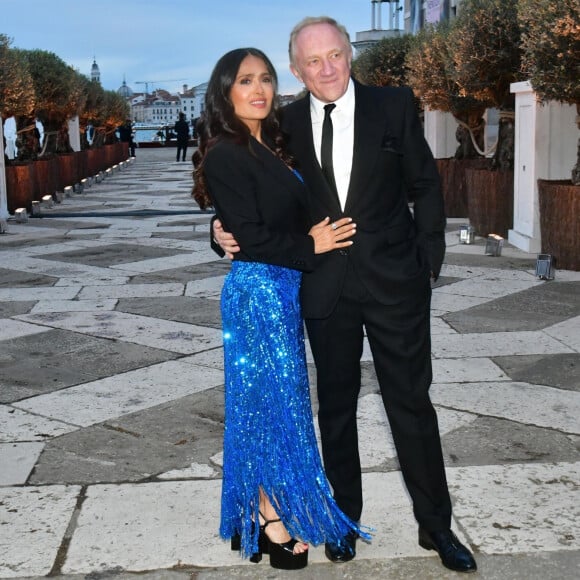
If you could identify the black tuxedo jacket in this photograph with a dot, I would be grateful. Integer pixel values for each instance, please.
(262, 202)
(394, 249)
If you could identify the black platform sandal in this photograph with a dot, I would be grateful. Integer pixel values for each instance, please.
(263, 548)
(282, 556)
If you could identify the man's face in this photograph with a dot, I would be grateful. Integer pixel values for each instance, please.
(322, 60)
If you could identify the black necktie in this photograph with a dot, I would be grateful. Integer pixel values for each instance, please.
(326, 147)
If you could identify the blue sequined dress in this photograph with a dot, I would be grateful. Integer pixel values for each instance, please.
(269, 439)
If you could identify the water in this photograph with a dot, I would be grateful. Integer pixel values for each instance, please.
(144, 135)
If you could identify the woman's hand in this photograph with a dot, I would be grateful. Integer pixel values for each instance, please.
(332, 236)
(225, 239)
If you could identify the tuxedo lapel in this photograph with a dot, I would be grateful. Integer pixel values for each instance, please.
(369, 128)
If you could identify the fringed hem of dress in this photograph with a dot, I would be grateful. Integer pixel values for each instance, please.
(269, 438)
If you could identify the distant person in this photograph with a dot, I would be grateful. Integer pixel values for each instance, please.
(126, 136)
(182, 130)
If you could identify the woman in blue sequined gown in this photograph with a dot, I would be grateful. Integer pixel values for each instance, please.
(274, 487)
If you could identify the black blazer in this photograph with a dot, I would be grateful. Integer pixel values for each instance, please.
(394, 249)
(262, 202)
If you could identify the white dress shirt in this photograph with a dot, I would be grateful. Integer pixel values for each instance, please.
(343, 137)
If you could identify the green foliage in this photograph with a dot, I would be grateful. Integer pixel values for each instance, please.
(114, 112)
(432, 75)
(551, 48)
(487, 50)
(56, 85)
(384, 63)
(16, 88)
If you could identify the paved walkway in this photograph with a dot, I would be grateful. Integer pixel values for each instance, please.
(111, 401)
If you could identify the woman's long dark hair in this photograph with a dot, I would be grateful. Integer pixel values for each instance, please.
(219, 120)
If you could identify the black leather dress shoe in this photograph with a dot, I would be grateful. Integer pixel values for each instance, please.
(344, 551)
(454, 555)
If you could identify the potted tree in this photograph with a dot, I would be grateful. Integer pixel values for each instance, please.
(58, 98)
(551, 61)
(114, 112)
(431, 73)
(384, 63)
(487, 60)
(17, 100)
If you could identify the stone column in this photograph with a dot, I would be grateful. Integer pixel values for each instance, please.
(440, 133)
(545, 148)
(74, 133)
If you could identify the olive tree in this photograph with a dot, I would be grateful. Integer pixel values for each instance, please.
(112, 113)
(384, 63)
(487, 59)
(17, 97)
(551, 53)
(58, 97)
(432, 75)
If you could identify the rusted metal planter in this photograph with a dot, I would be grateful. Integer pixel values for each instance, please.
(47, 176)
(452, 172)
(68, 170)
(559, 222)
(82, 160)
(21, 186)
(490, 201)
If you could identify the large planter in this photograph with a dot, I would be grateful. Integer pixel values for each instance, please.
(47, 176)
(124, 152)
(110, 155)
(68, 170)
(21, 186)
(559, 222)
(82, 160)
(490, 201)
(94, 161)
(452, 172)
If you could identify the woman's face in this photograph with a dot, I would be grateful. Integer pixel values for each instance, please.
(252, 92)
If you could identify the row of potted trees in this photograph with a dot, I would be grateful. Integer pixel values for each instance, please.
(31, 181)
(465, 67)
(38, 85)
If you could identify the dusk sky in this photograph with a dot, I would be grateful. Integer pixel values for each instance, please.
(174, 41)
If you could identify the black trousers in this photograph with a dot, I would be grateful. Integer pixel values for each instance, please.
(399, 337)
(181, 151)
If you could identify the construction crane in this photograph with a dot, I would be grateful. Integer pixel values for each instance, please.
(147, 83)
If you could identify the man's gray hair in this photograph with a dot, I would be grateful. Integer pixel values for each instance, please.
(309, 21)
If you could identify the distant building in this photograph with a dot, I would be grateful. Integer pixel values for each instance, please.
(187, 98)
(393, 18)
(403, 17)
(125, 90)
(418, 13)
(95, 72)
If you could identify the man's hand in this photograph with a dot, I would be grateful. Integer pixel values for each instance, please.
(225, 240)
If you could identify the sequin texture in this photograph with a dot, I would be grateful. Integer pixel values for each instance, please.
(269, 439)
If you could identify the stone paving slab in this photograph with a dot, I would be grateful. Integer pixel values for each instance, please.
(98, 401)
(167, 335)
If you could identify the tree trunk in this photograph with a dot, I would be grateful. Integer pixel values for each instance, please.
(503, 160)
(27, 139)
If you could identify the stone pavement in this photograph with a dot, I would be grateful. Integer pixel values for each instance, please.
(111, 409)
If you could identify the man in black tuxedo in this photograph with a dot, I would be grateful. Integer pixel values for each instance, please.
(376, 163)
